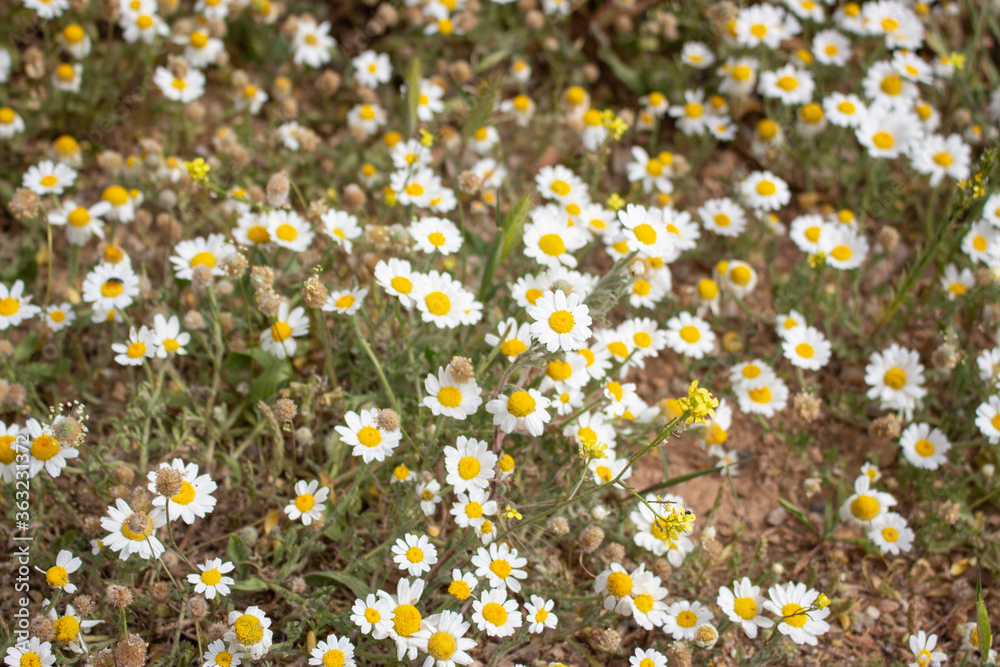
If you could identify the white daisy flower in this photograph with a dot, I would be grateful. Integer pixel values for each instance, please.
(133, 532)
(924, 447)
(789, 84)
(279, 339)
(333, 651)
(501, 565)
(363, 434)
(887, 132)
(342, 227)
(436, 235)
(57, 576)
(81, 222)
(309, 503)
(516, 339)
(141, 345)
(495, 614)
(762, 190)
(472, 509)
(444, 301)
(406, 618)
(956, 283)
(982, 243)
(806, 347)
(48, 177)
(169, 337)
(723, 217)
(938, 156)
(445, 395)
(523, 411)
(891, 534)
(30, 653)
(414, 554)
(10, 449)
(470, 464)
(896, 377)
(443, 639)
(684, 617)
(288, 229)
(647, 658)
(345, 301)
(689, 335)
(617, 585)
(561, 322)
(312, 43)
(649, 171)
(743, 605)
(844, 110)
(922, 645)
(183, 89)
(250, 630)
(15, 307)
(865, 504)
(194, 500)
(765, 396)
(211, 581)
(373, 615)
(396, 277)
(429, 493)
(622, 399)
(538, 613)
(988, 419)
(207, 251)
(794, 604)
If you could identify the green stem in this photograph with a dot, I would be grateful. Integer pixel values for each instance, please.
(378, 367)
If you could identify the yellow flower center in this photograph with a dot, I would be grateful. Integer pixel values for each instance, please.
(812, 113)
(7, 115)
(414, 554)
(372, 615)
(198, 40)
(185, 495)
(449, 397)
(644, 602)
(761, 395)
(895, 378)
(745, 608)
(280, 331)
(44, 447)
(890, 534)
(890, 24)
(690, 334)
(641, 287)
(865, 508)
(473, 510)
(707, 289)
(437, 239)
(841, 253)
(30, 660)
(693, 110)
(805, 350)
(56, 576)
(144, 22)
(979, 243)
(552, 245)
(67, 628)
(766, 188)
(206, 258)
(494, 613)
(642, 339)
(367, 113)
(66, 72)
(512, 347)
(140, 521)
(592, 118)
(49, 181)
(741, 276)
(883, 140)
(345, 302)
(943, 159)
(248, 630)
(619, 584)
(561, 188)
(406, 620)
(9, 306)
(891, 85)
(286, 232)
(333, 658)
(369, 437)
(758, 30)
(794, 615)
(441, 645)
(211, 577)
(520, 404)
(438, 303)
(924, 448)
(686, 619)
(846, 108)
(401, 284)
(7, 451)
(115, 195)
(787, 83)
(562, 321)
(459, 589)
(305, 502)
(615, 389)
(501, 568)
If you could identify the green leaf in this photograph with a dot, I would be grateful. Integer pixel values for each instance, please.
(251, 585)
(625, 74)
(318, 579)
(412, 94)
(513, 225)
(485, 100)
(798, 513)
(239, 552)
(983, 632)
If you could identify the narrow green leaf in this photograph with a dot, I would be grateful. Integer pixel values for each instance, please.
(983, 632)
(358, 587)
(238, 553)
(485, 100)
(625, 74)
(513, 225)
(677, 480)
(412, 95)
(251, 585)
(797, 512)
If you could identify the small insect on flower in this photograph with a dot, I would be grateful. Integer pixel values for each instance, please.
(308, 503)
(212, 580)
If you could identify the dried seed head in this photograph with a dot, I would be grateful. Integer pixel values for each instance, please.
(328, 83)
(131, 652)
(590, 539)
(235, 264)
(315, 292)
(304, 436)
(119, 596)
(137, 522)
(196, 606)
(103, 658)
(559, 525)
(215, 631)
(534, 20)
(16, 394)
(285, 410)
(6, 349)
(807, 406)
(160, 591)
(141, 499)
(168, 481)
(194, 321)
(678, 655)
(388, 420)
(24, 204)
(461, 369)
(886, 428)
(297, 585)
(613, 553)
(177, 66)
(950, 512)
(706, 635)
(945, 357)
(607, 640)
(201, 276)
(261, 277)
(469, 182)
(268, 302)
(68, 430)
(812, 485)
(353, 196)
(710, 544)
(888, 238)
(662, 569)
(41, 627)
(92, 524)
(278, 187)
(84, 605)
